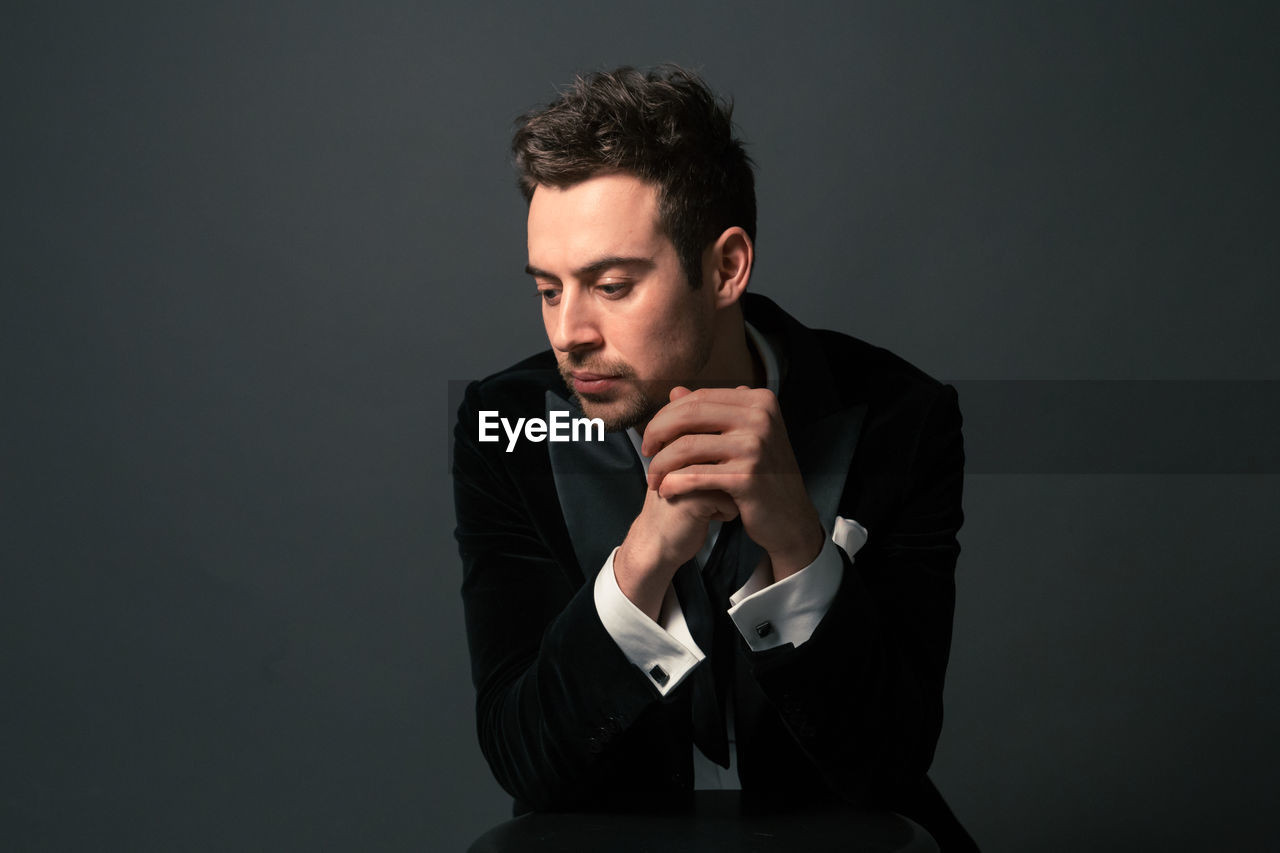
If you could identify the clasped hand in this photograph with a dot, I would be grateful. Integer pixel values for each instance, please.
(718, 454)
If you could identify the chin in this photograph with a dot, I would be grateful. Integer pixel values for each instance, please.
(619, 414)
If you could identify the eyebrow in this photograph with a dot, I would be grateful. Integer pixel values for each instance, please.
(596, 267)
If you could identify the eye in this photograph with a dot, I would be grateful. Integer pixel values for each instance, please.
(549, 295)
(613, 291)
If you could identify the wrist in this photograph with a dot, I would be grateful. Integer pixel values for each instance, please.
(791, 559)
(639, 573)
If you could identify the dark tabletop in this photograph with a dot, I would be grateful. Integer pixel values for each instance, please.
(720, 821)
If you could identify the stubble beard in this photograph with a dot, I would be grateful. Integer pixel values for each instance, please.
(639, 400)
(626, 408)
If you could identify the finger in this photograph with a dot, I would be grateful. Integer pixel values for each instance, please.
(731, 479)
(752, 398)
(711, 505)
(742, 395)
(698, 448)
(688, 416)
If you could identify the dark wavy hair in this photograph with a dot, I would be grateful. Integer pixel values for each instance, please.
(666, 128)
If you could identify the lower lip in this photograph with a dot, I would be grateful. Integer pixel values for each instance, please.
(593, 386)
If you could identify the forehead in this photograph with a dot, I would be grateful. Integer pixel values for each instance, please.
(607, 215)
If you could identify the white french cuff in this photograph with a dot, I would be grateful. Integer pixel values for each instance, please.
(666, 652)
(771, 615)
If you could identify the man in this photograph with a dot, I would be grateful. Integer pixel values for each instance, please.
(680, 605)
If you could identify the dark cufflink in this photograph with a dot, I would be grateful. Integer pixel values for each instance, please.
(659, 675)
(764, 629)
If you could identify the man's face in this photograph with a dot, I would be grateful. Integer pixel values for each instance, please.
(619, 312)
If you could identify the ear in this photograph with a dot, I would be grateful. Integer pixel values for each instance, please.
(727, 267)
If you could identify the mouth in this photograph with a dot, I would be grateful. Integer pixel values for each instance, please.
(585, 382)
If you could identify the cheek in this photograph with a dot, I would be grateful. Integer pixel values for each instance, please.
(673, 348)
(684, 330)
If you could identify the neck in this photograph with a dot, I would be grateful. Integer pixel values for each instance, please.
(733, 360)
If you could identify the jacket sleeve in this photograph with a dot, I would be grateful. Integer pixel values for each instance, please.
(552, 688)
(863, 697)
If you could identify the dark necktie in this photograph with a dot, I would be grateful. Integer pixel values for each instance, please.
(704, 598)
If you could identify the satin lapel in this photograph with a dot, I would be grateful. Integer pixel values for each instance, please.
(600, 486)
(824, 449)
(823, 422)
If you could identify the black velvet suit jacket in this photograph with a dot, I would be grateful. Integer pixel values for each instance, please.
(566, 721)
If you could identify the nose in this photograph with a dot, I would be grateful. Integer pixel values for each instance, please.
(571, 326)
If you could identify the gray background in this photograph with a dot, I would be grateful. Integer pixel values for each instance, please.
(246, 248)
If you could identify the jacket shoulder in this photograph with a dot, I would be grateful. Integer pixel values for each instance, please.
(857, 370)
(879, 377)
(874, 362)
